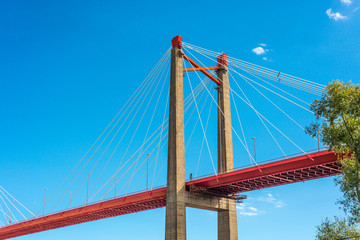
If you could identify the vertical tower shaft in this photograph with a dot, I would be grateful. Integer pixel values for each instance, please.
(175, 205)
(227, 220)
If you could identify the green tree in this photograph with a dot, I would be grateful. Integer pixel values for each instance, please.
(339, 107)
(339, 129)
(338, 229)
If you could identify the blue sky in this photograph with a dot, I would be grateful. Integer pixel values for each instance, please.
(67, 67)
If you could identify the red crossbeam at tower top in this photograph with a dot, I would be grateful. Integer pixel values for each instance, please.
(292, 170)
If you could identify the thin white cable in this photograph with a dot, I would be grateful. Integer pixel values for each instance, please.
(8, 208)
(279, 109)
(197, 121)
(150, 83)
(303, 89)
(119, 168)
(202, 142)
(12, 204)
(17, 201)
(7, 215)
(202, 127)
(272, 136)
(222, 111)
(269, 122)
(118, 143)
(241, 127)
(248, 63)
(268, 89)
(140, 87)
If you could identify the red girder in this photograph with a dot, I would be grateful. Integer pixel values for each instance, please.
(295, 169)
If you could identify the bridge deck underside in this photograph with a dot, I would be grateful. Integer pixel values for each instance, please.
(292, 170)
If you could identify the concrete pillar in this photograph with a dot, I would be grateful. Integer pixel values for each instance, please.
(175, 204)
(227, 220)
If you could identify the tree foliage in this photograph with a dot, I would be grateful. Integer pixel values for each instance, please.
(339, 129)
(336, 230)
(339, 108)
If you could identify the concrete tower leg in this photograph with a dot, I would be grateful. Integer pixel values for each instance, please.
(175, 204)
(227, 220)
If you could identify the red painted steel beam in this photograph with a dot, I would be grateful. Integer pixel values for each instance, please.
(295, 169)
(109, 208)
(201, 69)
(283, 166)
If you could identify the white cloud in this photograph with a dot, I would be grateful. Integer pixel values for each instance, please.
(271, 199)
(355, 9)
(265, 58)
(262, 44)
(346, 2)
(247, 211)
(259, 51)
(335, 15)
(253, 209)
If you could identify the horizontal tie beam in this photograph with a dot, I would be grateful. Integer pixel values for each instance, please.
(201, 68)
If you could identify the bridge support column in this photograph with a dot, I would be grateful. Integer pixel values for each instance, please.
(227, 220)
(175, 200)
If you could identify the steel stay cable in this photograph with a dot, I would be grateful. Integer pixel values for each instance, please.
(306, 89)
(131, 120)
(202, 142)
(7, 215)
(143, 162)
(8, 208)
(272, 136)
(150, 82)
(271, 91)
(242, 76)
(197, 93)
(17, 200)
(112, 177)
(115, 147)
(280, 89)
(284, 81)
(197, 120)
(276, 106)
(109, 189)
(296, 83)
(142, 84)
(283, 112)
(241, 127)
(186, 102)
(232, 59)
(144, 115)
(167, 101)
(6, 220)
(13, 204)
(269, 122)
(221, 110)
(142, 154)
(202, 127)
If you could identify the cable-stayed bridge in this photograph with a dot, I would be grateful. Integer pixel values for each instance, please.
(137, 162)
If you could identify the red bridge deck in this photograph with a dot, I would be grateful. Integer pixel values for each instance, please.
(296, 169)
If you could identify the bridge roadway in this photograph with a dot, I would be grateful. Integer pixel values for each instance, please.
(295, 169)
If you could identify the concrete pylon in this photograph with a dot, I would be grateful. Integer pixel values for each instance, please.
(227, 220)
(175, 205)
(178, 197)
